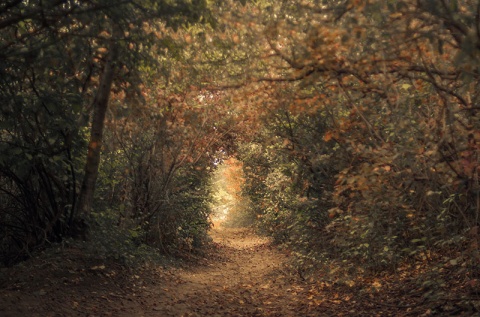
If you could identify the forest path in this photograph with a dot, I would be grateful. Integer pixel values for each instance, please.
(242, 275)
(245, 277)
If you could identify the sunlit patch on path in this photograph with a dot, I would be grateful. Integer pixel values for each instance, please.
(246, 278)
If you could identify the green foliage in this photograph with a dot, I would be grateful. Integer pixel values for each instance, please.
(377, 133)
(356, 122)
(170, 204)
(289, 171)
(52, 54)
(122, 243)
(39, 165)
(182, 224)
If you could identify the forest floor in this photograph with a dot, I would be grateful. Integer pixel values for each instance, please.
(241, 275)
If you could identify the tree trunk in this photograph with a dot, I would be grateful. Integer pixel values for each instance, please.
(100, 104)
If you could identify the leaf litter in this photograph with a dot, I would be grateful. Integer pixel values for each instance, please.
(241, 274)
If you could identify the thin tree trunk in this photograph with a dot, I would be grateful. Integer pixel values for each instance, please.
(100, 104)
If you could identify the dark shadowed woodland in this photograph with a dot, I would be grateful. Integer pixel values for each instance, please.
(239, 158)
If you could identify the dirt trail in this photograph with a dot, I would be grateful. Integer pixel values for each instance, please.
(243, 275)
(246, 279)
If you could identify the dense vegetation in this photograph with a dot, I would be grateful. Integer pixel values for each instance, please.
(62, 63)
(350, 127)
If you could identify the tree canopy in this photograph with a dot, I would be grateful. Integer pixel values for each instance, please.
(347, 130)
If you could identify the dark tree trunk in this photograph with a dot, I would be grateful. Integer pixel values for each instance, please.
(100, 104)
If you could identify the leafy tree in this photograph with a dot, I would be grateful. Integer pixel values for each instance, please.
(60, 62)
(393, 84)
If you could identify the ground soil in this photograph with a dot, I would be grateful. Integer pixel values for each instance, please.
(241, 275)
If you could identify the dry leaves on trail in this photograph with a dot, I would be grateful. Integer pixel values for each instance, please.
(247, 279)
(242, 275)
